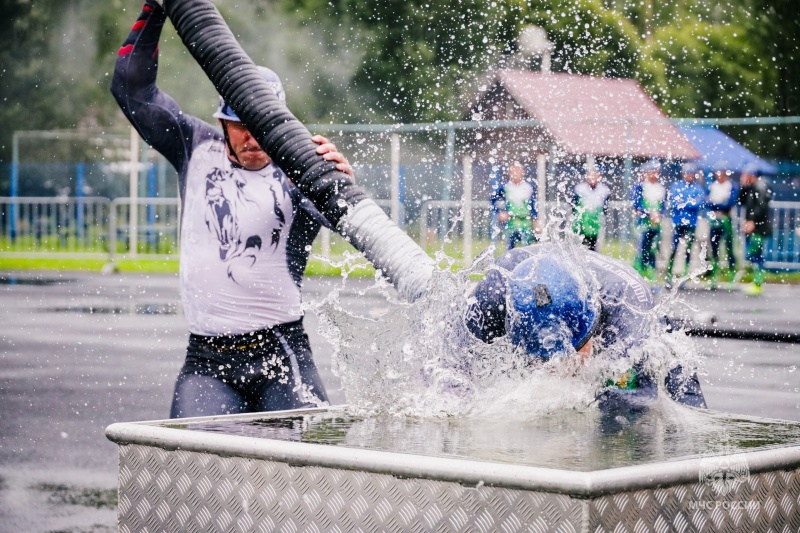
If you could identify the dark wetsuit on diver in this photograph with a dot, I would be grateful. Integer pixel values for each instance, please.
(626, 317)
(245, 239)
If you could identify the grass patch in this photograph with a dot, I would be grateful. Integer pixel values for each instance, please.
(151, 266)
(777, 277)
(324, 269)
(69, 264)
(339, 249)
(15, 263)
(787, 278)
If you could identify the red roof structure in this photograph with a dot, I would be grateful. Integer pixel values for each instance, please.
(585, 114)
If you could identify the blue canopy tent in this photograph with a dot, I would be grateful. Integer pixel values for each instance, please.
(781, 249)
(716, 147)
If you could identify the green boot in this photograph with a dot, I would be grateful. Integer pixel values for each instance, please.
(714, 273)
(758, 276)
(753, 289)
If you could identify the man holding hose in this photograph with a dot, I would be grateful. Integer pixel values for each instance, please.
(245, 234)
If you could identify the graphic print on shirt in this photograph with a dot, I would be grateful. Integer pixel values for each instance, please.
(276, 232)
(227, 200)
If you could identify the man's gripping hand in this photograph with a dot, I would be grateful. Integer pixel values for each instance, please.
(329, 152)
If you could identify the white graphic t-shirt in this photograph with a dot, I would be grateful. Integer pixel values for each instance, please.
(235, 228)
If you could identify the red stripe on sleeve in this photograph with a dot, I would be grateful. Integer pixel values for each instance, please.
(127, 49)
(146, 8)
(155, 52)
(138, 25)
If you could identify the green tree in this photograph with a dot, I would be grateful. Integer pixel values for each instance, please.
(419, 51)
(425, 56)
(707, 70)
(53, 75)
(25, 76)
(775, 24)
(415, 60)
(589, 38)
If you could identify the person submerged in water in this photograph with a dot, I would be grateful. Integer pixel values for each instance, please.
(538, 297)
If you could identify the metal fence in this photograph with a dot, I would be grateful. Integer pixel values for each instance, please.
(61, 225)
(150, 227)
(144, 226)
(783, 249)
(88, 227)
(453, 215)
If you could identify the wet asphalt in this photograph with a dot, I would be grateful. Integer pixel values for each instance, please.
(81, 351)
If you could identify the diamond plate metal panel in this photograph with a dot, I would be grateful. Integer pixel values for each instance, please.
(189, 491)
(162, 490)
(767, 502)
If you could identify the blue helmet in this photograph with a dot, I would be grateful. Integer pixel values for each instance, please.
(753, 169)
(721, 166)
(690, 167)
(652, 165)
(225, 112)
(551, 307)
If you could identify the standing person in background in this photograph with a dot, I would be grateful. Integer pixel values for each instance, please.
(649, 204)
(515, 204)
(685, 199)
(246, 232)
(591, 202)
(755, 197)
(722, 196)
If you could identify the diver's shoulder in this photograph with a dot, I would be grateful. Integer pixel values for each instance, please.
(615, 267)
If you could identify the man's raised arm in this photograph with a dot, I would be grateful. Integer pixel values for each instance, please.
(154, 114)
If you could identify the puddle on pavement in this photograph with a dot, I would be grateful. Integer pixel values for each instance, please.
(65, 495)
(138, 309)
(97, 528)
(14, 280)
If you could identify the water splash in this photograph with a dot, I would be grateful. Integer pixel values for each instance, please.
(585, 441)
(419, 360)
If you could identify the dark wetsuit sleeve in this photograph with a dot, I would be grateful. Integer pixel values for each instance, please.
(627, 304)
(154, 114)
(685, 388)
(486, 315)
(498, 200)
(307, 223)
